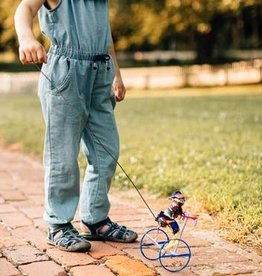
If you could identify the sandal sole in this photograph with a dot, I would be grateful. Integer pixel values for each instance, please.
(66, 249)
(103, 238)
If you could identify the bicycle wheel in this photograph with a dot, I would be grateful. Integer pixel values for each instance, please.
(151, 242)
(174, 255)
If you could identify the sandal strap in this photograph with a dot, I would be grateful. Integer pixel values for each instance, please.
(94, 227)
(116, 231)
(65, 236)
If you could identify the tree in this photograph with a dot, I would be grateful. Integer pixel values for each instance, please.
(207, 21)
(7, 37)
(207, 26)
(140, 30)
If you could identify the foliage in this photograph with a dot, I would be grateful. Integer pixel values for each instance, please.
(207, 26)
(210, 147)
(7, 37)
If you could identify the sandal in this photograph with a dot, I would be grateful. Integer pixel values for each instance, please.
(114, 232)
(67, 238)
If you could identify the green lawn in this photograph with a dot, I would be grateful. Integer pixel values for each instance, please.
(210, 147)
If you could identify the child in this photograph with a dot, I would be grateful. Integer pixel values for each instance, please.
(75, 93)
(172, 212)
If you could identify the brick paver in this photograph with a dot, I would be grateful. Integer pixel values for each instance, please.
(24, 254)
(94, 270)
(24, 251)
(47, 268)
(67, 259)
(6, 268)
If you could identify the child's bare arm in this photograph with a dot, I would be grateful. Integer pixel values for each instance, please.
(118, 85)
(30, 50)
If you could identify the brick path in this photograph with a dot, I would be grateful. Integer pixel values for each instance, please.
(23, 250)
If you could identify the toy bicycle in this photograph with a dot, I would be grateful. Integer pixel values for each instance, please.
(171, 250)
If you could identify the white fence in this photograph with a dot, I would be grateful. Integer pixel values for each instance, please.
(18, 82)
(246, 72)
(194, 76)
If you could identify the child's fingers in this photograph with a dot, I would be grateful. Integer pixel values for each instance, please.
(37, 54)
(119, 93)
(28, 57)
(34, 56)
(30, 52)
(22, 57)
(41, 55)
(25, 57)
(44, 56)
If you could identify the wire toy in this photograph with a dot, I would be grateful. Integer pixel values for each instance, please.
(168, 248)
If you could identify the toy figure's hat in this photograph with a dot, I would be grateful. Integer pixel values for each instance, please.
(178, 196)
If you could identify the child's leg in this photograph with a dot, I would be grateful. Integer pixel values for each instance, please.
(61, 107)
(101, 141)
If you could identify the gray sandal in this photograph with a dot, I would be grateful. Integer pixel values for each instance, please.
(67, 238)
(114, 232)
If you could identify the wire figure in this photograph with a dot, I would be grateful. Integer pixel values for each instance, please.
(172, 212)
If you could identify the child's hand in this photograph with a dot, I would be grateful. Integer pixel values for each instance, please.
(31, 51)
(119, 88)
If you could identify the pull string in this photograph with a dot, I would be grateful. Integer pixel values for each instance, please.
(123, 170)
(106, 150)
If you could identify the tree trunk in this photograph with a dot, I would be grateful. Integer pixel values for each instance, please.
(204, 47)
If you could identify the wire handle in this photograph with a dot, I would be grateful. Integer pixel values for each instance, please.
(189, 216)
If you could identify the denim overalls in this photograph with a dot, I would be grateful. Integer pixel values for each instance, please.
(76, 98)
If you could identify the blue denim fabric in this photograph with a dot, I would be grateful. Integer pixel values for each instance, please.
(82, 25)
(77, 104)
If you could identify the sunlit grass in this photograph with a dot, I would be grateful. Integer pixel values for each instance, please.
(209, 147)
(21, 123)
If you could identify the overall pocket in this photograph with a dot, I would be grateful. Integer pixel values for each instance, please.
(58, 71)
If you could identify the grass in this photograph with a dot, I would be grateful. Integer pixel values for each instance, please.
(21, 123)
(210, 147)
